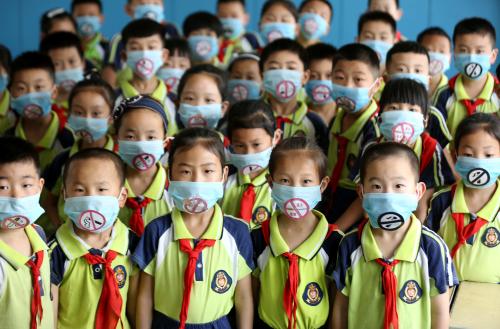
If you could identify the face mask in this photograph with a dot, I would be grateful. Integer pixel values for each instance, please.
(233, 27)
(33, 105)
(352, 100)
(171, 77)
(154, 12)
(240, 90)
(282, 84)
(200, 115)
(440, 63)
(389, 211)
(420, 78)
(203, 47)
(195, 197)
(141, 155)
(380, 47)
(88, 26)
(319, 91)
(94, 213)
(296, 201)
(67, 79)
(312, 26)
(273, 31)
(402, 126)
(145, 63)
(249, 163)
(478, 173)
(4, 81)
(472, 66)
(90, 129)
(19, 212)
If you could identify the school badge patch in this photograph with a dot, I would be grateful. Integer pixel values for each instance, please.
(313, 295)
(120, 275)
(260, 215)
(221, 282)
(491, 237)
(411, 292)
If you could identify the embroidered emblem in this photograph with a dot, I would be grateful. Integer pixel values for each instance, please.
(260, 215)
(490, 237)
(221, 282)
(411, 292)
(120, 275)
(313, 295)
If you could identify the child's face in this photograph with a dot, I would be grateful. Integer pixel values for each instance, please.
(62, 25)
(197, 164)
(353, 74)
(246, 69)
(286, 60)
(130, 7)
(203, 32)
(19, 179)
(252, 140)
(90, 104)
(387, 6)
(377, 30)
(200, 89)
(402, 107)
(31, 81)
(321, 69)
(232, 9)
(437, 44)
(408, 63)
(479, 145)
(475, 43)
(153, 42)
(66, 58)
(87, 9)
(318, 8)
(177, 61)
(141, 125)
(277, 14)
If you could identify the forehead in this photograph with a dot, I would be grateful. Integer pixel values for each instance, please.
(29, 75)
(141, 115)
(376, 4)
(397, 165)
(437, 39)
(146, 2)
(322, 64)
(277, 9)
(63, 52)
(318, 5)
(245, 65)
(410, 58)
(283, 56)
(479, 138)
(473, 39)
(296, 161)
(18, 169)
(208, 82)
(352, 66)
(231, 6)
(85, 169)
(195, 155)
(376, 26)
(152, 38)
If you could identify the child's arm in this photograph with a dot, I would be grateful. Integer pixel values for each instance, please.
(338, 320)
(54, 291)
(145, 293)
(132, 299)
(255, 292)
(423, 205)
(353, 214)
(440, 315)
(244, 303)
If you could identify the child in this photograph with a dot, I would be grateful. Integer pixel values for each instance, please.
(90, 256)
(392, 8)
(315, 20)
(284, 66)
(32, 89)
(297, 247)
(56, 20)
(176, 65)
(278, 19)
(89, 19)
(252, 131)
(438, 44)
(472, 90)
(393, 269)
(66, 53)
(216, 267)
(245, 80)
(319, 86)
(7, 116)
(141, 126)
(25, 300)
(466, 215)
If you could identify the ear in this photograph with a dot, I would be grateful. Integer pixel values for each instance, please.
(225, 173)
(164, 55)
(41, 182)
(54, 91)
(101, 18)
(246, 19)
(225, 107)
(324, 183)
(297, 29)
(399, 14)
(493, 57)
(359, 191)
(167, 141)
(277, 137)
(420, 190)
(122, 198)
(375, 87)
(305, 76)
(269, 180)
(356, 39)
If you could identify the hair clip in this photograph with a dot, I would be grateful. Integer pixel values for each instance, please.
(124, 104)
(55, 12)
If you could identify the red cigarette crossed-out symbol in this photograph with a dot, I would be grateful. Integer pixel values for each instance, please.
(296, 208)
(144, 161)
(195, 205)
(92, 220)
(285, 89)
(403, 132)
(14, 222)
(240, 92)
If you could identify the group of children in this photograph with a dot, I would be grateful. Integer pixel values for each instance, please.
(225, 178)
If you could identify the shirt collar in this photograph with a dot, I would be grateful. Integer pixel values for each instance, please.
(109, 145)
(213, 232)
(16, 259)
(157, 187)
(259, 180)
(485, 94)
(488, 212)
(48, 138)
(354, 130)
(159, 93)
(298, 115)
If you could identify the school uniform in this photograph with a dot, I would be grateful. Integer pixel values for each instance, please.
(443, 83)
(95, 50)
(477, 258)
(7, 117)
(276, 263)
(422, 267)
(78, 275)
(247, 42)
(17, 289)
(437, 127)
(163, 254)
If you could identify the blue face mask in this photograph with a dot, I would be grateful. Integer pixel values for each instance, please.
(151, 11)
(473, 66)
(141, 155)
(203, 47)
(283, 85)
(273, 31)
(240, 90)
(352, 100)
(19, 212)
(420, 78)
(195, 197)
(94, 213)
(67, 79)
(4, 81)
(200, 115)
(380, 47)
(88, 26)
(402, 126)
(252, 162)
(33, 105)
(478, 173)
(171, 77)
(439, 63)
(296, 201)
(312, 26)
(90, 129)
(145, 63)
(389, 211)
(319, 91)
(233, 27)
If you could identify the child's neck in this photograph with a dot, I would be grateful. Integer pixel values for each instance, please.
(434, 83)
(197, 224)
(144, 86)
(389, 241)
(325, 111)
(139, 181)
(17, 240)
(87, 40)
(476, 198)
(283, 109)
(295, 232)
(350, 118)
(35, 129)
(94, 240)
(305, 42)
(474, 87)
(100, 143)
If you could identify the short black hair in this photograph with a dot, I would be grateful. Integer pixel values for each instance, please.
(406, 47)
(249, 56)
(488, 122)
(378, 151)
(289, 5)
(15, 150)
(320, 51)
(249, 114)
(242, 2)
(32, 60)
(376, 16)
(5, 58)
(396, 1)
(476, 25)
(142, 28)
(283, 44)
(305, 2)
(75, 3)
(406, 91)
(202, 20)
(52, 15)
(93, 82)
(63, 39)
(100, 154)
(217, 74)
(434, 30)
(358, 52)
(178, 45)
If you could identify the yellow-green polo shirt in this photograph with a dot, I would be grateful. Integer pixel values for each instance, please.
(16, 285)
(300, 125)
(94, 51)
(218, 269)
(443, 83)
(7, 117)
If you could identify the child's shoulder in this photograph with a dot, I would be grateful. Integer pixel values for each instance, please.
(236, 226)
(159, 225)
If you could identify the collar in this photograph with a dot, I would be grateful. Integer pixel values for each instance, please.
(488, 212)
(159, 93)
(354, 130)
(48, 138)
(213, 232)
(4, 103)
(417, 148)
(298, 115)
(92, 43)
(157, 187)
(109, 145)
(485, 94)
(16, 259)
(259, 180)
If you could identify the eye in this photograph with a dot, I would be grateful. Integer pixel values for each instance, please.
(129, 137)
(209, 171)
(376, 187)
(283, 180)
(256, 144)
(27, 185)
(151, 137)
(307, 181)
(466, 154)
(79, 189)
(4, 187)
(489, 155)
(103, 189)
(400, 186)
